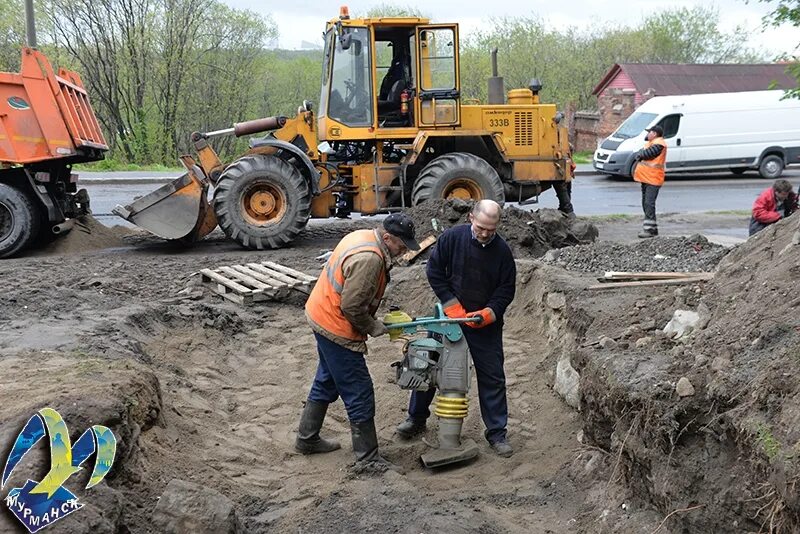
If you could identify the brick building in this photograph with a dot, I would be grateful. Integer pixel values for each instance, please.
(627, 85)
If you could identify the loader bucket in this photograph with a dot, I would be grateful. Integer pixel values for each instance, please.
(177, 210)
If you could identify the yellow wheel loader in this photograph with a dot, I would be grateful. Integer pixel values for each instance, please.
(391, 132)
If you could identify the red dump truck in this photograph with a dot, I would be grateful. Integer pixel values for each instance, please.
(46, 126)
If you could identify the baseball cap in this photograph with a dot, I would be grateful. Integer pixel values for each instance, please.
(657, 129)
(402, 226)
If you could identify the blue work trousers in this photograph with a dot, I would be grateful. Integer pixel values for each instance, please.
(486, 347)
(343, 372)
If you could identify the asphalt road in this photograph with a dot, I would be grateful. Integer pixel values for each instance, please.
(593, 194)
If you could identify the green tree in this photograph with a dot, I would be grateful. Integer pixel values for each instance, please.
(786, 12)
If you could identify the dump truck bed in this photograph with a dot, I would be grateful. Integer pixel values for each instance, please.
(46, 116)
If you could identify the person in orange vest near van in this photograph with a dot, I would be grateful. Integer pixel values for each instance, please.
(649, 171)
(341, 312)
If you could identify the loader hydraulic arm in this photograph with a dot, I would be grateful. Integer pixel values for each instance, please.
(209, 160)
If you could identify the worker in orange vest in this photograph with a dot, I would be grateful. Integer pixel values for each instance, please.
(341, 311)
(649, 171)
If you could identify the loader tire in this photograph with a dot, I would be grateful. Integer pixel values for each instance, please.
(262, 202)
(458, 175)
(19, 220)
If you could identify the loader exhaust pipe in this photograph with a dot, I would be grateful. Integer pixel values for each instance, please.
(249, 127)
(497, 90)
(30, 25)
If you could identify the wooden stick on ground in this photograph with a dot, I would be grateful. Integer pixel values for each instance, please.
(409, 256)
(622, 275)
(668, 282)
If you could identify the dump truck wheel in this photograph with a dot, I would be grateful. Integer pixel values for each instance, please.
(458, 175)
(19, 220)
(262, 202)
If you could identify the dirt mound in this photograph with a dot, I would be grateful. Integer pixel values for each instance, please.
(724, 452)
(661, 254)
(530, 234)
(87, 234)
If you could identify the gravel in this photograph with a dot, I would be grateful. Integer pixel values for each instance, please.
(660, 254)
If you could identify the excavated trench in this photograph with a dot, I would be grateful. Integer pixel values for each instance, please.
(208, 392)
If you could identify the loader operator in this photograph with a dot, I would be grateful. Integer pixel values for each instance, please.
(650, 167)
(341, 311)
(472, 268)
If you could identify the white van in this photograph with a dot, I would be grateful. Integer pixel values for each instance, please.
(733, 132)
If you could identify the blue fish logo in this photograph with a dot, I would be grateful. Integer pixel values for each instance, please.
(40, 504)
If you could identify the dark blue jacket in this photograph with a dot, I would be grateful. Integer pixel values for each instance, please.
(478, 276)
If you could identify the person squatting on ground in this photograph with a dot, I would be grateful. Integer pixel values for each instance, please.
(341, 311)
(772, 205)
(472, 268)
(649, 172)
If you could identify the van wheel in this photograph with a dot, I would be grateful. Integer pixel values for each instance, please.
(771, 167)
(738, 171)
(19, 220)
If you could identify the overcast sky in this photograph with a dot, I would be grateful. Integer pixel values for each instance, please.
(304, 20)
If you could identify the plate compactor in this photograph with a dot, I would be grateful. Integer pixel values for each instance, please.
(440, 359)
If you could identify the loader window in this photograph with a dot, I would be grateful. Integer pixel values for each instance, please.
(438, 75)
(326, 67)
(351, 97)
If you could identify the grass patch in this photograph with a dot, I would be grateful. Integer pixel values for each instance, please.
(112, 165)
(730, 212)
(584, 156)
(767, 441)
(621, 217)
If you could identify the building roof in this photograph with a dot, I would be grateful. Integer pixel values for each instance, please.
(689, 79)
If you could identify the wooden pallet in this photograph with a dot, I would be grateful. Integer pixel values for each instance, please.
(255, 282)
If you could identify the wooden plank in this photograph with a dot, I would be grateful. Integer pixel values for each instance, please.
(279, 277)
(265, 274)
(245, 278)
(621, 275)
(208, 273)
(409, 256)
(291, 272)
(270, 282)
(669, 282)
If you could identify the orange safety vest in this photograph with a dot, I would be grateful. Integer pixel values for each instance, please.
(324, 305)
(652, 171)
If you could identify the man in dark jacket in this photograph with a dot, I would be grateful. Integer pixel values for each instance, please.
(772, 205)
(472, 272)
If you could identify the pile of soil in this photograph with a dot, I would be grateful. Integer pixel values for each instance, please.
(530, 234)
(660, 254)
(87, 234)
(706, 424)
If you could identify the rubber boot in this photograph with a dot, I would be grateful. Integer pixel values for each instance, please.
(410, 428)
(365, 447)
(308, 440)
(648, 232)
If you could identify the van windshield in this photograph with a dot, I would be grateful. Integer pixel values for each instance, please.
(634, 125)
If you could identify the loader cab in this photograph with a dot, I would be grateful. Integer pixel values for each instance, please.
(389, 73)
